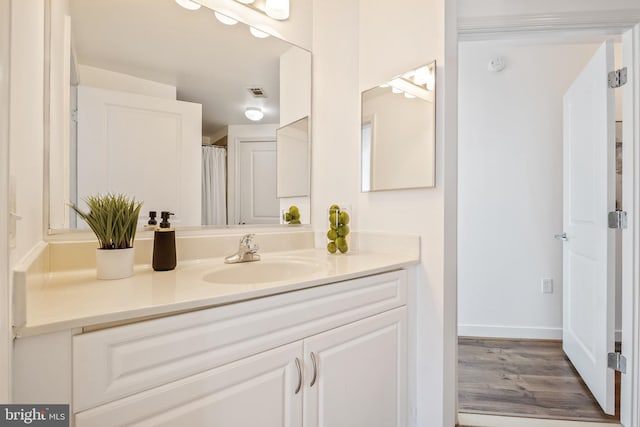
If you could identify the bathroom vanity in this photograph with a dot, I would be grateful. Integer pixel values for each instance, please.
(326, 344)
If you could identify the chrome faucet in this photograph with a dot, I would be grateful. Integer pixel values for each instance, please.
(246, 251)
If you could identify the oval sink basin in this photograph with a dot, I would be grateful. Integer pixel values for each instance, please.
(264, 271)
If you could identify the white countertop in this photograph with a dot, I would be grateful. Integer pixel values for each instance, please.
(76, 299)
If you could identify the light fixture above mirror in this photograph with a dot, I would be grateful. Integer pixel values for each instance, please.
(188, 4)
(275, 9)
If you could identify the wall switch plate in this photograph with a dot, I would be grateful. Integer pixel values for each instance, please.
(547, 286)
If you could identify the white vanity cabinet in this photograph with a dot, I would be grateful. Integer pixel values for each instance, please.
(331, 356)
(354, 375)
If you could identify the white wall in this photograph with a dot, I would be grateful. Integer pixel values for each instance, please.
(510, 186)
(26, 132)
(105, 79)
(352, 53)
(5, 311)
(26, 127)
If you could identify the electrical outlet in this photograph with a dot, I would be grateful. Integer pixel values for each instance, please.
(547, 286)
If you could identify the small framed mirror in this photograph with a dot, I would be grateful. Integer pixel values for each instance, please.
(398, 132)
(292, 159)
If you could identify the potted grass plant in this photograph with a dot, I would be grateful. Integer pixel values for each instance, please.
(114, 219)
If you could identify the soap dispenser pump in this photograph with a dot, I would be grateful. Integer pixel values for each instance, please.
(164, 245)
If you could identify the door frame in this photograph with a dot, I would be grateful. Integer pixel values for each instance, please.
(589, 24)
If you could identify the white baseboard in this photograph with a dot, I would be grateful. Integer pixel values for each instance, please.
(516, 332)
(497, 331)
(479, 420)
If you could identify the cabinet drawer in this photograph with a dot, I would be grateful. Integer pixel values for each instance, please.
(117, 362)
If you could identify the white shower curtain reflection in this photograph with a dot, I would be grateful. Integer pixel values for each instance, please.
(214, 203)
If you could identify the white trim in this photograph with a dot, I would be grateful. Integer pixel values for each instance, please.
(515, 332)
(474, 27)
(630, 408)
(478, 420)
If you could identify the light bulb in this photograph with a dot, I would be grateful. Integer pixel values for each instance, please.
(277, 9)
(246, 1)
(396, 90)
(384, 85)
(224, 18)
(257, 33)
(188, 4)
(254, 113)
(422, 76)
(409, 95)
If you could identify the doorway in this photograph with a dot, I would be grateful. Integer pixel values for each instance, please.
(510, 206)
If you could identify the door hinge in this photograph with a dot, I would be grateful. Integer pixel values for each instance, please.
(617, 362)
(618, 78)
(74, 116)
(617, 219)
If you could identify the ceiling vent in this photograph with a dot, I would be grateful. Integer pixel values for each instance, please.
(257, 92)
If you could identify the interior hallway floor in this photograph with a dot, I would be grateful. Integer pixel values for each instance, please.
(531, 378)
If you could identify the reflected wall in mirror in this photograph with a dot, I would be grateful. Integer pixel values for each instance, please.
(292, 159)
(138, 89)
(398, 132)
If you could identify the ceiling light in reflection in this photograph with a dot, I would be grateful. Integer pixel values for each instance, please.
(188, 4)
(384, 85)
(408, 95)
(396, 90)
(257, 33)
(225, 19)
(246, 1)
(254, 113)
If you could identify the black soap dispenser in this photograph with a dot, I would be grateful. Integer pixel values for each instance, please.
(164, 245)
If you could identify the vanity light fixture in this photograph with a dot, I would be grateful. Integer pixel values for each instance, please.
(224, 18)
(257, 33)
(188, 4)
(254, 113)
(277, 9)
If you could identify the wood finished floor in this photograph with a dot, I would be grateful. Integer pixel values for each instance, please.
(528, 378)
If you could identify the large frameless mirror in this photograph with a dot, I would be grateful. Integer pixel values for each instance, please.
(398, 132)
(171, 106)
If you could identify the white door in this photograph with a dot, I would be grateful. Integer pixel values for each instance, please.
(257, 178)
(257, 391)
(356, 375)
(588, 254)
(146, 147)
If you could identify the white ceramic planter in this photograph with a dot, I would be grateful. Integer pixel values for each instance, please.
(114, 263)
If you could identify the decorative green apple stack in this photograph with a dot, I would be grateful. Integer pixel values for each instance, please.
(338, 230)
(292, 216)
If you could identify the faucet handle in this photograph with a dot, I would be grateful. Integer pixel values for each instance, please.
(246, 239)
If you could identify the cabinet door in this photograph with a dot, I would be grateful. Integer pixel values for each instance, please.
(256, 391)
(361, 374)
